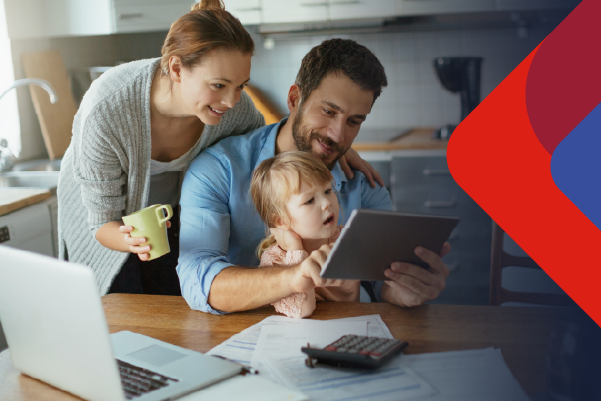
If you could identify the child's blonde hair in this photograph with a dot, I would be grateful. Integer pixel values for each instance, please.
(278, 178)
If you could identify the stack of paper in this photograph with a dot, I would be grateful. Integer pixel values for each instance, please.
(273, 346)
(241, 347)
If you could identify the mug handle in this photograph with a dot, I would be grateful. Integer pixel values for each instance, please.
(161, 217)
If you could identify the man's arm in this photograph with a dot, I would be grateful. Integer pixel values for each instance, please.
(209, 281)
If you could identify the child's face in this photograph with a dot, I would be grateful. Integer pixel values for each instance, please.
(314, 211)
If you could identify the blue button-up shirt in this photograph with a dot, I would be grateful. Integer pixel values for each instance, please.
(220, 226)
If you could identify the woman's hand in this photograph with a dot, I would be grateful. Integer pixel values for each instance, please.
(136, 245)
(352, 159)
(287, 239)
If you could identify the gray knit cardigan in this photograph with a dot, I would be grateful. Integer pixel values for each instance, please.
(105, 173)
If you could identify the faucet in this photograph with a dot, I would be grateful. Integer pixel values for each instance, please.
(7, 156)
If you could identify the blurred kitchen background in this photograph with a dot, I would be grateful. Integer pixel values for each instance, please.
(406, 35)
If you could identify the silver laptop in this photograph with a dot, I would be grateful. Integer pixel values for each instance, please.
(56, 332)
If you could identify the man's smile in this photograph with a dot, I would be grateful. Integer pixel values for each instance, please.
(325, 148)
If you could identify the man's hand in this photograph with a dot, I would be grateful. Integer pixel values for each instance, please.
(307, 275)
(411, 285)
(352, 159)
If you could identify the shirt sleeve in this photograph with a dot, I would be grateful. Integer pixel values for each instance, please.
(97, 168)
(204, 229)
(377, 198)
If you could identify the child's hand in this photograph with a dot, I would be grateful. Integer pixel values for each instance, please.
(307, 275)
(288, 240)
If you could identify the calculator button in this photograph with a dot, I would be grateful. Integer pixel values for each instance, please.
(375, 353)
(342, 350)
(331, 348)
(364, 352)
(353, 351)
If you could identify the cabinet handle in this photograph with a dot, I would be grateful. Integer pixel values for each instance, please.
(346, 2)
(249, 9)
(323, 4)
(442, 171)
(450, 203)
(129, 16)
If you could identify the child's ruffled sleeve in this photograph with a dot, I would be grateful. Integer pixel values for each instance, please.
(297, 304)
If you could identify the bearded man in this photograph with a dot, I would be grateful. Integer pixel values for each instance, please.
(335, 90)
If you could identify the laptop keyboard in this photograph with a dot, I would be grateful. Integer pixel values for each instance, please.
(137, 381)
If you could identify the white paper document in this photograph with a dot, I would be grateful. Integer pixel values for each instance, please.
(283, 340)
(241, 347)
(472, 375)
(245, 388)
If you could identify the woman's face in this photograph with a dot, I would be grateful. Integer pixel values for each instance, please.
(314, 211)
(215, 85)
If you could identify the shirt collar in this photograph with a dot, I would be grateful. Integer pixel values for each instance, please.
(339, 176)
(268, 150)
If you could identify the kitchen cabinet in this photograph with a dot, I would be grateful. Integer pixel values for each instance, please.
(421, 183)
(148, 15)
(431, 7)
(50, 18)
(519, 5)
(354, 9)
(247, 11)
(278, 11)
(29, 228)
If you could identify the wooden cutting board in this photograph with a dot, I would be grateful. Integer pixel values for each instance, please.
(56, 120)
(264, 106)
(417, 138)
(12, 199)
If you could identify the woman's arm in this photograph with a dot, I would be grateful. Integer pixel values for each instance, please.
(97, 167)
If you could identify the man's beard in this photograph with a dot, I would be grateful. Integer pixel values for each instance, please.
(303, 136)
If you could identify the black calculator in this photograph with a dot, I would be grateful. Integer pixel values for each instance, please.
(355, 351)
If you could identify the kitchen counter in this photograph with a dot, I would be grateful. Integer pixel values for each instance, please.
(413, 139)
(12, 199)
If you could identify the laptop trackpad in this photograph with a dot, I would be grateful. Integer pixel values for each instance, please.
(157, 355)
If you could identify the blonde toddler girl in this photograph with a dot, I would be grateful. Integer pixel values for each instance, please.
(293, 193)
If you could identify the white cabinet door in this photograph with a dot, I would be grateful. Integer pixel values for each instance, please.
(247, 11)
(148, 15)
(78, 17)
(357, 9)
(281, 11)
(47, 18)
(430, 7)
(519, 5)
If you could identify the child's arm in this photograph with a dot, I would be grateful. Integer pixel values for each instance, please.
(297, 304)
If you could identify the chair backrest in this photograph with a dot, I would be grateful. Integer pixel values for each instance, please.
(501, 259)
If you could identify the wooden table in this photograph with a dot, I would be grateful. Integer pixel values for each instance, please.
(521, 333)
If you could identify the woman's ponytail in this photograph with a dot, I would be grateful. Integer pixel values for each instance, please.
(208, 5)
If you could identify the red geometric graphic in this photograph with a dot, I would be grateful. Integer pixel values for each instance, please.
(496, 156)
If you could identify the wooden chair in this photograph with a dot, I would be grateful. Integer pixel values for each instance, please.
(501, 259)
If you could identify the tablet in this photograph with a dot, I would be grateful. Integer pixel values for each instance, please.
(373, 239)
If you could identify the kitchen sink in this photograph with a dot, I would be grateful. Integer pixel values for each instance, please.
(30, 179)
(38, 165)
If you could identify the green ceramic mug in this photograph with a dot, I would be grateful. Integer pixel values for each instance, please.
(151, 223)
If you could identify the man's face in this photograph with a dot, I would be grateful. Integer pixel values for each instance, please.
(329, 120)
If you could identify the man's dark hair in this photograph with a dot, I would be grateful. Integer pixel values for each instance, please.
(341, 56)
